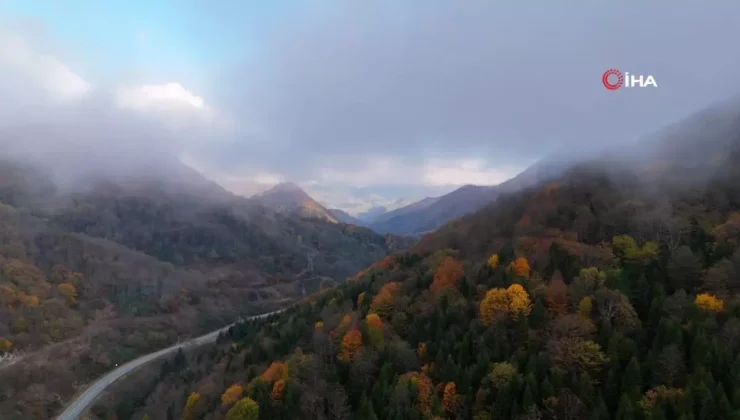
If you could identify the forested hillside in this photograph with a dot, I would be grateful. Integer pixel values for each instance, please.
(608, 292)
(95, 275)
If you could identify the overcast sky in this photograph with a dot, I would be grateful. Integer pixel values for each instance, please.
(361, 102)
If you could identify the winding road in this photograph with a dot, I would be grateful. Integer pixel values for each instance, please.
(79, 405)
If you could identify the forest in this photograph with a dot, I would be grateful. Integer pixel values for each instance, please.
(609, 292)
(95, 277)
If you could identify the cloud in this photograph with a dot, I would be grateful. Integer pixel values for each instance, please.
(420, 97)
(449, 93)
(55, 114)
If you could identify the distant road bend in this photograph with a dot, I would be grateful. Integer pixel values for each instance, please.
(77, 407)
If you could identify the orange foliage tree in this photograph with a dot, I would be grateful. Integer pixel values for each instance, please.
(448, 274)
(421, 350)
(382, 303)
(278, 390)
(319, 325)
(424, 388)
(275, 372)
(709, 302)
(556, 295)
(351, 344)
(520, 267)
(232, 394)
(513, 301)
(449, 397)
(375, 329)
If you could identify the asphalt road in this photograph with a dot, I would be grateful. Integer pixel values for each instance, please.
(75, 409)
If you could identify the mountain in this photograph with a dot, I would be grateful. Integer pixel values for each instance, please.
(610, 287)
(98, 267)
(344, 217)
(432, 212)
(372, 214)
(289, 198)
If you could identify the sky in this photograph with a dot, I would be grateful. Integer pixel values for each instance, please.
(361, 103)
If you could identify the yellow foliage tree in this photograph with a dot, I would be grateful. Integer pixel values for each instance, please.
(520, 267)
(449, 397)
(448, 274)
(191, 406)
(513, 301)
(231, 395)
(68, 290)
(382, 303)
(493, 261)
(319, 325)
(709, 302)
(244, 409)
(519, 302)
(278, 390)
(494, 303)
(5, 345)
(275, 372)
(585, 306)
(360, 299)
(375, 329)
(351, 344)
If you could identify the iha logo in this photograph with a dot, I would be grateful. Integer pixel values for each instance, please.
(613, 79)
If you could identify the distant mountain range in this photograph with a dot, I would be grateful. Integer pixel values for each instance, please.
(413, 219)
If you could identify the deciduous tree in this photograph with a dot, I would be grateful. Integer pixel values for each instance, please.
(448, 274)
(232, 394)
(351, 344)
(709, 302)
(244, 409)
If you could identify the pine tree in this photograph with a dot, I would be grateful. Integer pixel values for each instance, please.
(632, 379)
(626, 410)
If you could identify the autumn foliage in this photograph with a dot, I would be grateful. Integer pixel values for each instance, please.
(351, 344)
(709, 302)
(520, 267)
(232, 394)
(421, 350)
(424, 388)
(493, 261)
(278, 390)
(556, 295)
(244, 409)
(191, 405)
(68, 290)
(448, 274)
(275, 372)
(513, 301)
(449, 397)
(382, 303)
(374, 329)
(5, 345)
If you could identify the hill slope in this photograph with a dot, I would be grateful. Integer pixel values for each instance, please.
(344, 217)
(288, 198)
(610, 291)
(109, 267)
